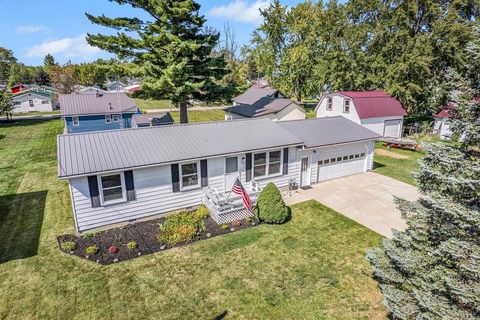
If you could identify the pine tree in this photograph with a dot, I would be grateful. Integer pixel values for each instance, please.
(49, 61)
(432, 269)
(172, 50)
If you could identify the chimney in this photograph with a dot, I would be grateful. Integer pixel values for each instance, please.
(151, 121)
(98, 94)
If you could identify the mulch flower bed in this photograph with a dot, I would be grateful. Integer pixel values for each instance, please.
(144, 234)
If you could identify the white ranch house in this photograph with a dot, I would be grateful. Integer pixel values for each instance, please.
(375, 110)
(120, 176)
(32, 100)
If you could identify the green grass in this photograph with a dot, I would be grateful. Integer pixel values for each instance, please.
(400, 169)
(145, 104)
(312, 267)
(200, 116)
(36, 113)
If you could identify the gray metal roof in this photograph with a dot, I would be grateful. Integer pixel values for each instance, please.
(94, 152)
(81, 104)
(254, 94)
(158, 118)
(271, 106)
(328, 131)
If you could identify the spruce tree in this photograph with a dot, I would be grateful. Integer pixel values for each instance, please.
(432, 269)
(172, 49)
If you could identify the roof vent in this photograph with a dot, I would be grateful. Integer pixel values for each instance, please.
(98, 94)
(110, 105)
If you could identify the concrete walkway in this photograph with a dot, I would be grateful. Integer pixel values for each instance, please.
(366, 198)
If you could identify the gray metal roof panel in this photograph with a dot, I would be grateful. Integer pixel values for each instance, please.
(129, 148)
(82, 104)
(254, 94)
(328, 131)
(271, 105)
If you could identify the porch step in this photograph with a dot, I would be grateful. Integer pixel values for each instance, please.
(230, 216)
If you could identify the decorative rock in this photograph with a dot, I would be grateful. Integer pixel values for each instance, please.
(253, 223)
(162, 247)
(232, 229)
(115, 260)
(139, 253)
(87, 256)
(98, 261)
(209, 235)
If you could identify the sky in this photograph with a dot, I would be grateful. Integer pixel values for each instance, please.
(33, 28)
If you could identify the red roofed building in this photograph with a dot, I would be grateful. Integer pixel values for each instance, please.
(375, 110)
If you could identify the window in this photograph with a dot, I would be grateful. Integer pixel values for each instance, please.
(350, 156)
(332, 160)
(346, 106)
(345, 158)
(274, 161)
(357, 156)
(267, 163)
(189, 175)
(45, 101)
(330, 104)
(231, 164)
(320, 162)
(30, 103)
(108, 118)
(362, 154)
(326, 161)
(260, 164)
(17, 103)
(339, 159)
(115, 117)
(76, 121)
(112, 188)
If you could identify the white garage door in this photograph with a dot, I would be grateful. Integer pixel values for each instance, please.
(392, 128)
(341, 164)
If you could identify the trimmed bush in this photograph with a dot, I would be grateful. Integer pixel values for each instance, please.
(68, 246)
(202, 212)
(224, 226)
(248, 219)
(181, 227)
(92, 250)
(132, 245)
(270, 206)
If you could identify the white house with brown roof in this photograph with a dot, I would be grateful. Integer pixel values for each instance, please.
(375, 110)
(262, 101)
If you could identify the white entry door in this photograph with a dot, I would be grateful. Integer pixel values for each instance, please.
(392, 128)
(231, 172)
(305, 172)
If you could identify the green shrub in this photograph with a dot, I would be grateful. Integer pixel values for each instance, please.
(270, 206)
(88, 235)
(92, 250)
(248, 219)
(181, 227)
(68, 246)
(132, 245)
(224, 226)
(202, 211)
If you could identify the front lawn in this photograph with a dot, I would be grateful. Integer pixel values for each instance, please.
(312, 267)
(200, 116)
(396, 163)
(145, 104)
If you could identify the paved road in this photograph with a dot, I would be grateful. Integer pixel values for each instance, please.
(366, 198)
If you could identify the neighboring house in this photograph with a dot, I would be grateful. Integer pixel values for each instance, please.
(32, 100)
(261, 101)
(115, 86)
(124, 175)
(90, 90)
(133, 88)
(96, 112)
(151, 119)
(375, 110)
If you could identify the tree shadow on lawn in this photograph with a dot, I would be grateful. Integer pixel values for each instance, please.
(377, 165)
(21, 218)
(23, 122)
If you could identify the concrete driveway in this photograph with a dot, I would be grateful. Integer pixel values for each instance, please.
(366, 198)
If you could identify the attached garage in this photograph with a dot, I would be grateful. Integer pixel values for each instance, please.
(392, 128)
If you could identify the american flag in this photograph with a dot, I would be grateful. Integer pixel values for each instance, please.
(240, 190)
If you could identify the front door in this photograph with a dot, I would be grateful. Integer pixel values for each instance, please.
(231, 172)
(305, 172)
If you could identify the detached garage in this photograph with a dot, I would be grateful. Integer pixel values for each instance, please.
(392, 128)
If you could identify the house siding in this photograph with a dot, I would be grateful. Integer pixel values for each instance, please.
(377, 125)
(38, 106)
(337, 108)
(153, 187)
(97, 123)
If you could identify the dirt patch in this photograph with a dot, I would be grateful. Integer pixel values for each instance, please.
(386, 153)
(144, 234)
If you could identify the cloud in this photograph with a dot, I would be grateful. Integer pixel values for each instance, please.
(31, 29)
(240, 10)
(66, 47)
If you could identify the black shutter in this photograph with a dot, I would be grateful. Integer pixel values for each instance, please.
(204, 173)
(285, 161)
(175, 178)
(130, 186)
(94, 194)
(248, 166)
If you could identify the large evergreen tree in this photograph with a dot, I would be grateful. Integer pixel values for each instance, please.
(172, 50)
(432, 269)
